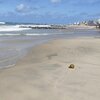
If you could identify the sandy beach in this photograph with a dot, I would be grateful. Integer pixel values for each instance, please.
(44, 74)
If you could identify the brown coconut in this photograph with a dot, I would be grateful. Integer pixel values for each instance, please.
(72, 66)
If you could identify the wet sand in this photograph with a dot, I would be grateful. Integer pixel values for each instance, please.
(44, 74)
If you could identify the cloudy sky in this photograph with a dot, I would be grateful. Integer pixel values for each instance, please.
(49, 11)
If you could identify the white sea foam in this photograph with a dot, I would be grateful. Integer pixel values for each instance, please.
(11, 28)
(25, 34)
(35, 34)
(9, 34)
(2, 23)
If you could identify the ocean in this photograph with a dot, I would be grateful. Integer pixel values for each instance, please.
(16, 42)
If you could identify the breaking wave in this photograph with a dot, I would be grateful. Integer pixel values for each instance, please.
(26, 34)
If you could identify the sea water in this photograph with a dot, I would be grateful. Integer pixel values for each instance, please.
(14, 45)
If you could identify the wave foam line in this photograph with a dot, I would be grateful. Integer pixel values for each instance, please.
(9, 34)
(35, 34)
(28, 34)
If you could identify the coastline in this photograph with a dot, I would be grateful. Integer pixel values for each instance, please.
(43, 74)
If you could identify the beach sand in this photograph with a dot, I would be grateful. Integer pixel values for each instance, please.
(44, 74)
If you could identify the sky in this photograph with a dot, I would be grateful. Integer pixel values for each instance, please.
(49, 11)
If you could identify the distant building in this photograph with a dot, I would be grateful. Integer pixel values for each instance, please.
(83, 23)
(76, 23)
(91, 23)
(97, 23)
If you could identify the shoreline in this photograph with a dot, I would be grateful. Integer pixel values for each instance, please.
(43, 73)
(29, 49)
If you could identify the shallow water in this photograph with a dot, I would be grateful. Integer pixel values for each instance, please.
(14, 45)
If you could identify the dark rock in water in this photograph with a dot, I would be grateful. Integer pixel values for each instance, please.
(72, 66)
